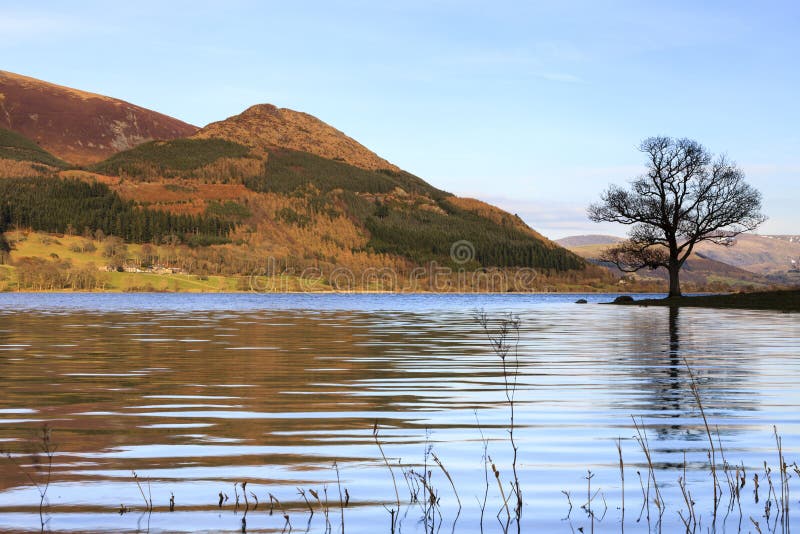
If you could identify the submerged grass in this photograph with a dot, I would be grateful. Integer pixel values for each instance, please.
(503, 335)
(776, 506)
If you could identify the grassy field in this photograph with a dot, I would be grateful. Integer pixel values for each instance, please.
(74, 253)
(65, 247)
(36, 244)
(788, 301)
(41, 245)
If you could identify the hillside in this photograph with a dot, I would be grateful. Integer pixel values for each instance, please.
(268, 194)
(21, 157)
(266, 126)
(76, 126)
(762, 254)
(392, 212)
(14, 146)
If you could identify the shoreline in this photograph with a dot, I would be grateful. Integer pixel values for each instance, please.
(783, 300)
(331, 292)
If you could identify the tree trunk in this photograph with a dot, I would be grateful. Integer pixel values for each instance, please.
(674, 281)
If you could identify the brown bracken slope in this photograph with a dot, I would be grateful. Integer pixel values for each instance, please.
(265, 126)
(77, 126)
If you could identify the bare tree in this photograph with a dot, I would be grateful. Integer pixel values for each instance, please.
(685, 197)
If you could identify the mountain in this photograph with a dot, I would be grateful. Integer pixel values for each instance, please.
(387, 210)
(266, 126)
(762, 254)
(269, 188)
(77, 126)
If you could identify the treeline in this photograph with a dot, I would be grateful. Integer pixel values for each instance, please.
(169, 158)
(39, 274)
(288, 171)
(58, 205)
(17, 147)
(425, 235)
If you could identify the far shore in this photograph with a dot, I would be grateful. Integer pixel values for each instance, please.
(784, 300)
(319, 292)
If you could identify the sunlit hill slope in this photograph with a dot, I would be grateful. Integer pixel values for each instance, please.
(274, 191)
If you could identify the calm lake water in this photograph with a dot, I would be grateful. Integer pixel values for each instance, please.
(196, 393)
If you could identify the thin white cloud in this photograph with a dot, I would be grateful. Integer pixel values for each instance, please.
(771, 169)
(490, 58)
(554, 219)
(557, 217)
(17, 27)
(549, 60)
(561, 77)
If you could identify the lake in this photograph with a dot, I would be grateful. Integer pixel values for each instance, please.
(198, 394)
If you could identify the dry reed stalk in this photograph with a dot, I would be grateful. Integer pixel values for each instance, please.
(389, 467)
(485, 459)
(505, 342)
(302, 493)
(713, 454)
(339, 484)
(439, 463)
(645, 496)
(691, 521)
(621, 477)
(502, 492)
(588, 506)
(147, 505)
(273, 499)
(321, 506)
(784, 480)
(645, 445)
(755, 487)
(569, 501)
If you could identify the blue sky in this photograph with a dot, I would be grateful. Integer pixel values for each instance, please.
(533, 106)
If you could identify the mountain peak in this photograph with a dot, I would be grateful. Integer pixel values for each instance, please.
(267, 126)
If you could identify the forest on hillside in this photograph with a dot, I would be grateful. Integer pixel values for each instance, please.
(62, 205)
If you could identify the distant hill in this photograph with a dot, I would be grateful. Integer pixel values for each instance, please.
(700, 269)
(76, 126)
(762, 254)
(590, 239)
